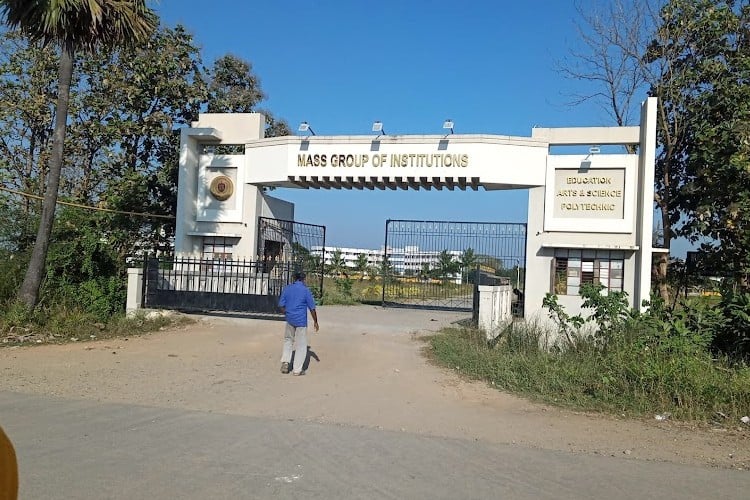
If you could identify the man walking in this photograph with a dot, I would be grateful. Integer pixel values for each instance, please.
(295, 300)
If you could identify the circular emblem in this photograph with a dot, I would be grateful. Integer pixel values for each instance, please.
(222, 187)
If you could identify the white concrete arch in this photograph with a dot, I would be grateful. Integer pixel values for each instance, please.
(584, 210)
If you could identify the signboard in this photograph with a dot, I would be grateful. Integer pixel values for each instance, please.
(590, 194)
(593, 195)
(495, 163)
(400, 160)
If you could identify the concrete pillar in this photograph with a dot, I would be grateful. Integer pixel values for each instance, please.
(494, 308)
(135, 291)
(645, 216)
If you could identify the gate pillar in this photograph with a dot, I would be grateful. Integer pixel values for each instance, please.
(135, 291)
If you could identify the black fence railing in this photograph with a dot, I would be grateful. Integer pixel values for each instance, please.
(215, 285)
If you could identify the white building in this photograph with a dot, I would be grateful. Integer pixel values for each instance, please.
(350, 255)
(406, 261)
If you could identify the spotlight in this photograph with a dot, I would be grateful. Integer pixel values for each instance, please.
(305, 127)
(448, 125)
(377, 126)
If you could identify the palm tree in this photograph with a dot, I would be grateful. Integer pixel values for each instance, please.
(74, 25)
(338, 264)
(314, 264)
(361, 266)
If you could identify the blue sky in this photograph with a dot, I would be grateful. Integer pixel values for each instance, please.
(340, 65)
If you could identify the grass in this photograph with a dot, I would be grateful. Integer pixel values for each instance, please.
(621, 379)
(371, 291)
(20, 326)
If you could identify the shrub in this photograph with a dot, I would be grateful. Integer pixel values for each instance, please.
(64, 323)
(661, 360)
(103, 297)
(623, 378)
(18, 314)
(12, 270)
(734, 336)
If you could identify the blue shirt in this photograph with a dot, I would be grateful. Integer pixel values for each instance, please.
(297, 299)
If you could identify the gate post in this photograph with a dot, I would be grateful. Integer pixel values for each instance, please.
(383, 267)
(151, 280)
(135, 291)
(494, 309)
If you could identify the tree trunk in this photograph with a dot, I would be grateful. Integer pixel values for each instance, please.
(29, 292)
(663, 264)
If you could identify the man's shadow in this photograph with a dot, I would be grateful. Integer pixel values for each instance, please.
(306, 364)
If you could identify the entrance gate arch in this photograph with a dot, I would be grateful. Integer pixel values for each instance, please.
(590, 216)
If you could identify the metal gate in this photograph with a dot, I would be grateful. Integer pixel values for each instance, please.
(286, 242)
(439, 264)
(214, 285)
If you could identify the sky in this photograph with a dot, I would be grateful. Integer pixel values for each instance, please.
(490, 66)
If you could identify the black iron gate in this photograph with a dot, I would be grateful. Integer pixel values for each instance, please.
(219, 284)
(296, 243)
(438, 264)
(214, 285)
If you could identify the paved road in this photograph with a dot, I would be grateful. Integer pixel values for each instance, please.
(72, 449)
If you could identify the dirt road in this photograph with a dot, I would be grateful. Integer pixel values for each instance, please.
(371, 374)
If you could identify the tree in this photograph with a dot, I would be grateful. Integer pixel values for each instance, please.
(608, 59)
(27, 85)
(361, 265)
(386, 269)
(128, 114)
(75, 26)
(120, 150)
(337, 265)
(300, 253)
(315, 264)
(693, 56)
(624, 54)
(446, 266)
(425, 271)
(712, 40)
(468, 262)
(234, 88)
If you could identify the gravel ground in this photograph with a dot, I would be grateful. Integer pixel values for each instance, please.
(371, 373)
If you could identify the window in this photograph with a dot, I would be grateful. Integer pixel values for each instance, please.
(572, 268)
(218, 247)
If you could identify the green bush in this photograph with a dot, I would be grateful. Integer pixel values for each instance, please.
(664, 360)
(342, 292)
(65, 323)
(734, 336)
(12, 270)
(16, 314)
(625, 378)
(104, 297)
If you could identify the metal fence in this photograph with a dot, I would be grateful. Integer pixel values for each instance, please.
(215, 285)
(438, 264)
(299, 244)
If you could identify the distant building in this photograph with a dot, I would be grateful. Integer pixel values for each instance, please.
(406, 261)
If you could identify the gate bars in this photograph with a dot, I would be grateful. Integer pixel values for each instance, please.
(437, 264)
(214, 285)
(298, 243)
